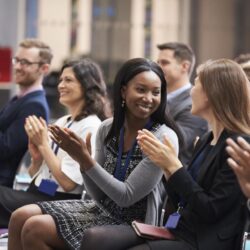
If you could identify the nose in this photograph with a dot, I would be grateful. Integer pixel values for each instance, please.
(17, 65)
(148, 97)
(160, 64)
(61, 85)
(192, 90)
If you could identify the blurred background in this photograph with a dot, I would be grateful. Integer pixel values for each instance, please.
(112, 31)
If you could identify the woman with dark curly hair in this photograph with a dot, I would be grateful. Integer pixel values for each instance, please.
(55, 174)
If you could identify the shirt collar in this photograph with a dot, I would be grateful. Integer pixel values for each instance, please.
(177, 92)
(29, 90)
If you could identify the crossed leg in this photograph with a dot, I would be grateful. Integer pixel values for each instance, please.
(30, 229)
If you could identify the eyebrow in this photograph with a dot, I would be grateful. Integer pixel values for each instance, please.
(163, 60)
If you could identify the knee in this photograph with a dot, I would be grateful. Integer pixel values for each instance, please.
(31, 230)
(18, 217)
(92, 238)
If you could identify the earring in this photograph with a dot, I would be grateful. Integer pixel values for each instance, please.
(123, 103)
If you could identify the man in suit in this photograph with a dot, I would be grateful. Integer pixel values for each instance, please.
(177, 61)
(31, 62)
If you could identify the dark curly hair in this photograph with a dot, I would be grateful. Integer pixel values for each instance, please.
(90, 76)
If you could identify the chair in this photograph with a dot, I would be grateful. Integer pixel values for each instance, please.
(22, 178)
(246, 241)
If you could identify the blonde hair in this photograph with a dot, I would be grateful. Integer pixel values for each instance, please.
(227, 89)
(45, 52)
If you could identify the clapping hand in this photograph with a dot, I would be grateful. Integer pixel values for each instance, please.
(239, 161)
(78, 149)
(36, 129)
(162, 154)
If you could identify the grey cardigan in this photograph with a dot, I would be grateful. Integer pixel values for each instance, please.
(145, 180)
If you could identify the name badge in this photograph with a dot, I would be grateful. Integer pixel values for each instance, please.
(48, 187)
(173, 220)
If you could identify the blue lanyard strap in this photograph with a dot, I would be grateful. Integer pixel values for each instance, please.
(120, 171)
(54, 146)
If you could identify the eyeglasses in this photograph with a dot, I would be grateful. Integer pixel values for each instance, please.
(23, 62)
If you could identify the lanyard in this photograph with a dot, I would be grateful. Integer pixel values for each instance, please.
(54, 146)
(120, 171)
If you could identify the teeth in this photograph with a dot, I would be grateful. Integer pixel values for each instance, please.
(145, 106)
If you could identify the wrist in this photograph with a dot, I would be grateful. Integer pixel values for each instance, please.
(43, 147)
(87, 164)
(36, 162)
(172, 170)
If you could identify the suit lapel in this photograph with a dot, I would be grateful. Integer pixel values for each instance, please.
(212, 155)
(178, 102)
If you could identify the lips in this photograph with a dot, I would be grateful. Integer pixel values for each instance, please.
(18, 73)
(18, 76)
(145, 108)
(63, 93)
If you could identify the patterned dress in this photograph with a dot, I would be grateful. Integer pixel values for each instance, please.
(73, 217)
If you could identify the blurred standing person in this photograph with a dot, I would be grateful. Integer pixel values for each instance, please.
(177, 60)
(31, 63)
(56, 176)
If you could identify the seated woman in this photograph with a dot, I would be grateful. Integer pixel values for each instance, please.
(205, 203)
(55, 174)
(124, 184)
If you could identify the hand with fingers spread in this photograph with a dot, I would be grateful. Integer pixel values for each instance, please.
(162, 154)
(239, 161)
(78, 149)
(36, 129)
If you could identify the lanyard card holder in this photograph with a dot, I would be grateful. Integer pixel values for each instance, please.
(48, 187)
(173, 219)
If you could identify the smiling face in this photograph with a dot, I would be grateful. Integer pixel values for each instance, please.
(26, 75)
(70, 90)
(142, 95)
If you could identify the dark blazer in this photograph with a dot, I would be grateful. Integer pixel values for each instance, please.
(191, 126)
(13, 138)
(215, 209)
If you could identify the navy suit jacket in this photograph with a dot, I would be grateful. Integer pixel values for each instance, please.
(215, 209)
(13, 138)
(191, 126)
